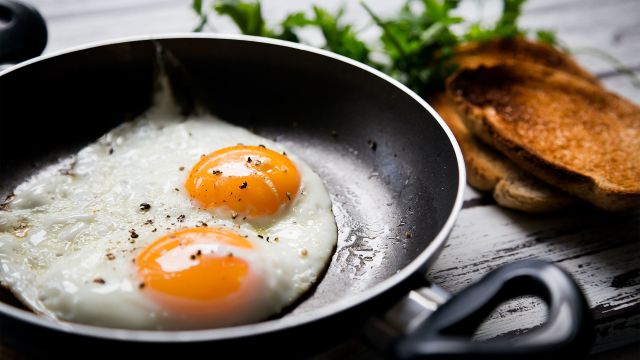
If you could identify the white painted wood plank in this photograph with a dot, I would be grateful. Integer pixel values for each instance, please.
(596, 247)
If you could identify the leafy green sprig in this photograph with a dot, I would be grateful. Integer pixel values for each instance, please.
(339, 37)
(419, 44)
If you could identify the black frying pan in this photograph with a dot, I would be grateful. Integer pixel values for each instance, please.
(393, 169)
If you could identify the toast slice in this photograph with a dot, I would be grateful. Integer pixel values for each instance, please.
(561, 128)
(519, 50)
(488, 170)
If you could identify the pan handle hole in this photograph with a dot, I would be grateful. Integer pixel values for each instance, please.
(508, 318)
(5, 16)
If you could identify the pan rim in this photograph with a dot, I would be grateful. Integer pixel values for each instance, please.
(181, 336)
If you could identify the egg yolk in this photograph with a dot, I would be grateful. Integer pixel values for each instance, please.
(196, 264)
(249, 180)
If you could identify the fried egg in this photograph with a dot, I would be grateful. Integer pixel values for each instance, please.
(168, 223)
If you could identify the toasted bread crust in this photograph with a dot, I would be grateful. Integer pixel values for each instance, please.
(488, 170)
(485, 167)
(561, 128)
(530, 195)
(519, 50)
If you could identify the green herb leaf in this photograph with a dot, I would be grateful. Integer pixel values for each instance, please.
(246, 15)
(197, 6)
(294, 20)
(547, 37)
(339, 38)
(505, 27)
(420, 43)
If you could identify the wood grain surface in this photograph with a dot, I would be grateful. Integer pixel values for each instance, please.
(601, 250)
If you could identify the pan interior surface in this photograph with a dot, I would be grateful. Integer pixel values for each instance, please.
(390, 168)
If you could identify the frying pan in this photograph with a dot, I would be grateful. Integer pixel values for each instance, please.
(392, 167)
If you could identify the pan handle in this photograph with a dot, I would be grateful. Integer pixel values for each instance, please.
(23, 32)
(446, 334)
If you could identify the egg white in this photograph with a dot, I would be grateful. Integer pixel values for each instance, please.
(70, 225)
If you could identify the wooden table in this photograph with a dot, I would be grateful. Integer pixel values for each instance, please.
(601, 250)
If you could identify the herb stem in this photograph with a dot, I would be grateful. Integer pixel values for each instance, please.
(614, 61)
(386, 30)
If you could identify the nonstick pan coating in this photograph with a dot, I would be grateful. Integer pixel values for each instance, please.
(392, 169)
